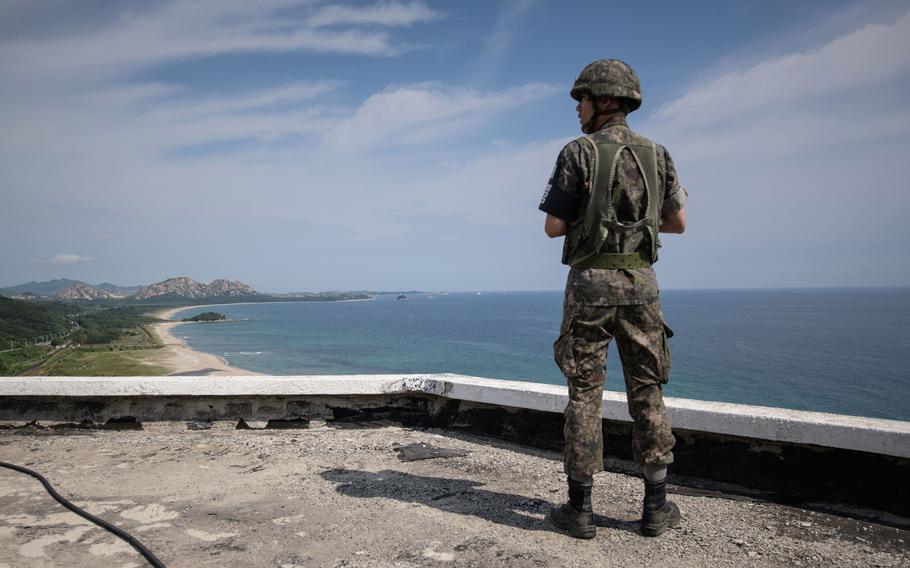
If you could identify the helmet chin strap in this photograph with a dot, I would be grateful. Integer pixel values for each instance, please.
(591, 125)
(588, 127)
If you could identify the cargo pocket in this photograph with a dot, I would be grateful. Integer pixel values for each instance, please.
(564, 352)
(665, 353)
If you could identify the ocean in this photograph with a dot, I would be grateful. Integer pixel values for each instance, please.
(845, 351)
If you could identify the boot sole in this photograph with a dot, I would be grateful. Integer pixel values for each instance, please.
(577, 534)
(657, 530)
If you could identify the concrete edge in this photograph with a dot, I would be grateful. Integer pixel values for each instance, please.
(873, 435)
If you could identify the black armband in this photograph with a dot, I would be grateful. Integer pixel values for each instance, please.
(559, 203)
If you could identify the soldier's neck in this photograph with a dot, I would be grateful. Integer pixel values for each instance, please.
(607, 120)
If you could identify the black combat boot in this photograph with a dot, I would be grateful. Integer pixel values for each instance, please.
(576, 516)
(658, 514)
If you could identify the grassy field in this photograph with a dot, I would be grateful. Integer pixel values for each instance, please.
(96, 362)
(13, 362)
(124, 357)
(140, 336)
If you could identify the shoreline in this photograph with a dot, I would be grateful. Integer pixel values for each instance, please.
(185, 360)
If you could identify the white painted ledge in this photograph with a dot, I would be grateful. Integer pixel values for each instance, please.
(888, 437)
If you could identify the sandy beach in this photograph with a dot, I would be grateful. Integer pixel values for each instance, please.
(178, 356)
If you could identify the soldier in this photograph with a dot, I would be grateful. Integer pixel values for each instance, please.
(610, 194)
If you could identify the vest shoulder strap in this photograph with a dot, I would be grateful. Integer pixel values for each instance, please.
(600, 213)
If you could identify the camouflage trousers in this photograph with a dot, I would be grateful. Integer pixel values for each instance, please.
(581, 352)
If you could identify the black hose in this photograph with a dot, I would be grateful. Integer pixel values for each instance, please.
(100, 522)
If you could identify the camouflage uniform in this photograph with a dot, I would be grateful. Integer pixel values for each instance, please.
(601, 304)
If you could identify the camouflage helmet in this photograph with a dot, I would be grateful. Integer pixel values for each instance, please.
(608, 78)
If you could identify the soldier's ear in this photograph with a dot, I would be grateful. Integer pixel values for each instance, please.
(603, 103)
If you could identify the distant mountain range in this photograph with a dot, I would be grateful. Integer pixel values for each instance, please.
(43, 289)
(84, 292)
(118, 290)
(170, 289)
(188, 288)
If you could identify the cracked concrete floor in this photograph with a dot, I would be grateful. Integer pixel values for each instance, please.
(343, 497)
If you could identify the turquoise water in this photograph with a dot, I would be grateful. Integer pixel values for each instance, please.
(832, 350)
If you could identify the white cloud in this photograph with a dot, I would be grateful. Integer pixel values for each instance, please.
(65, 258)
(781, 135)
(122, 157)
(847, 91)
(286, 109)
(102, 236)
(498, 188)
(498, 43)
(176, 30)
(159, 97)
(385, 14)
(859, 60)
(798, 154)
(131, 93)
(312, 162)
(66, 98)
(114, 146)
(419, 113)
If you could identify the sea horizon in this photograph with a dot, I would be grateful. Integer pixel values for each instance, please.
(834, 350)
(663, 289)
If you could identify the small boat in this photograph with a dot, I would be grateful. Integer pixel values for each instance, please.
(401, 297)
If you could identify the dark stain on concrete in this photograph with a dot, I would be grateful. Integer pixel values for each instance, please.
(422, 451)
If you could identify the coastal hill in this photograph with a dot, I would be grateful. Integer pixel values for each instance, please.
(180, 288)
(185, 287)
(66, 289)
(46, 289)
(82, 291)
(61, 334)
(206, 317)
(118, 291)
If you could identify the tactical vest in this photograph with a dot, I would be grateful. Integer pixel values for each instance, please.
(600, 214)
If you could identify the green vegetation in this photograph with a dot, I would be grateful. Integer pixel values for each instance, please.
(207, 316)
(122, 357)
(334, 297)
(111, 361)
(49, 288)
(61, 329)
(22, 322)
(138, 337)
(174, 300)
(106, 326)
(14, 362)
(100, 337)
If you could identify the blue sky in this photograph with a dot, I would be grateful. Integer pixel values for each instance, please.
(405, 144)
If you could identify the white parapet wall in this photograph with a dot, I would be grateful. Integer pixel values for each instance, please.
(877, 436)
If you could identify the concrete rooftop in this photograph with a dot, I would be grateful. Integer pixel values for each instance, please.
(342, 496)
